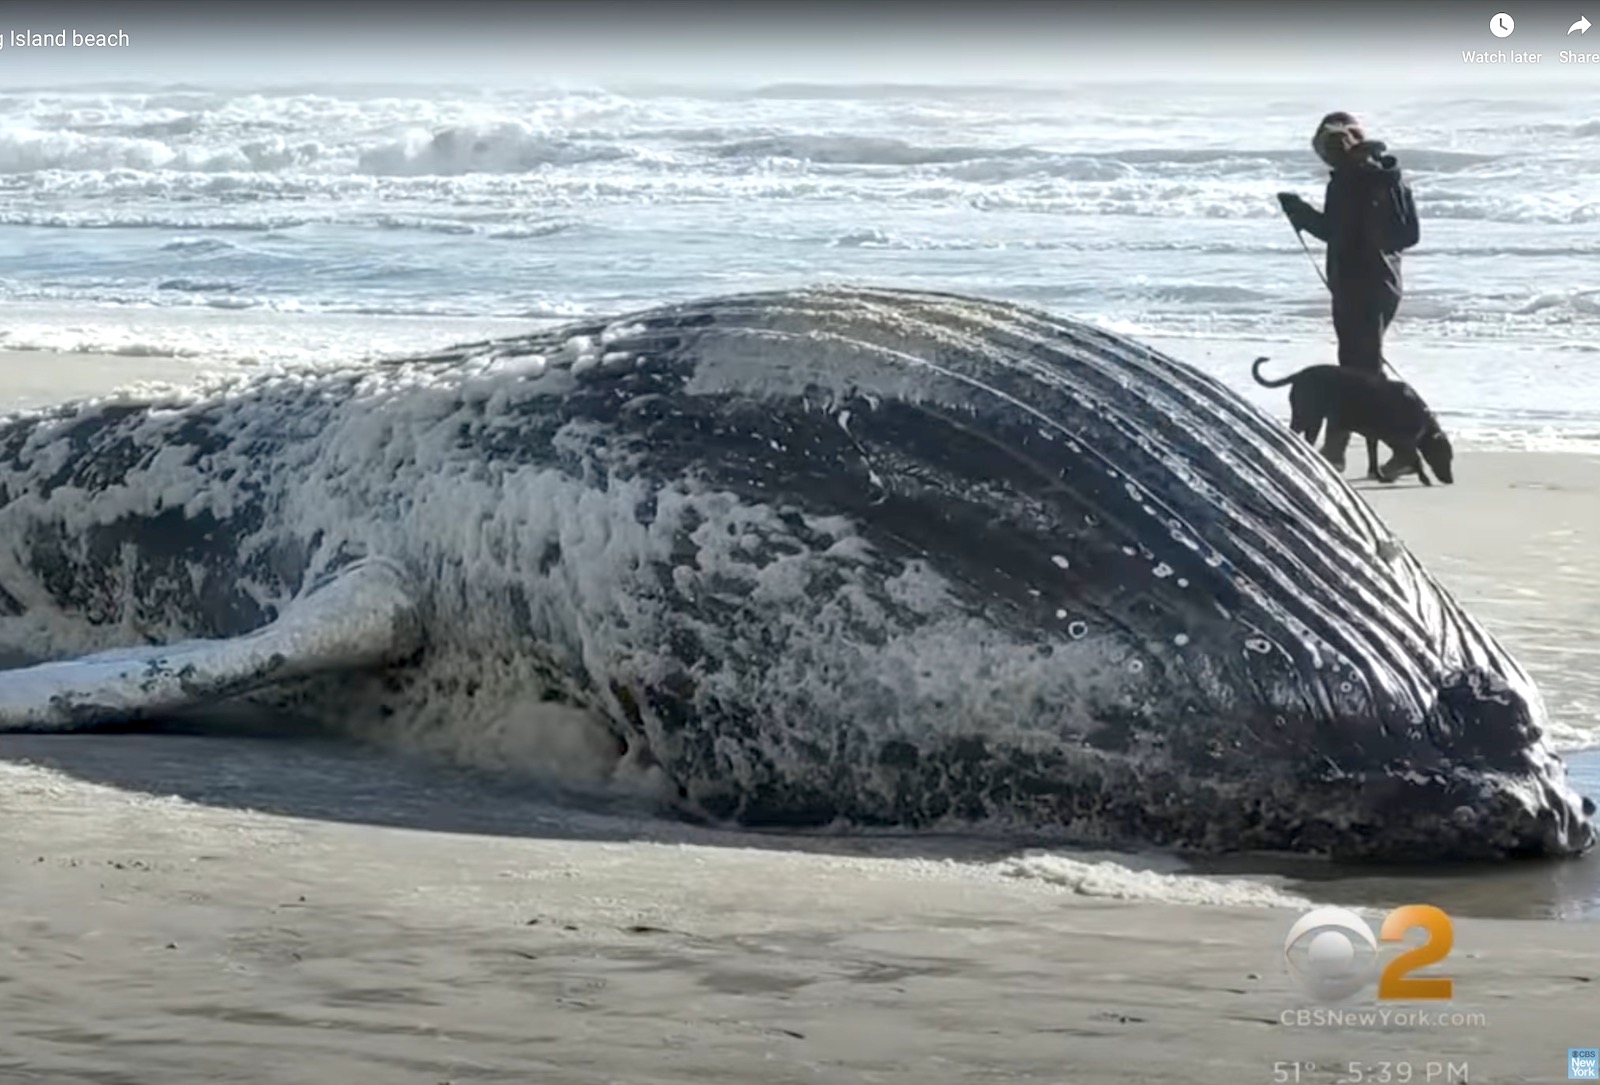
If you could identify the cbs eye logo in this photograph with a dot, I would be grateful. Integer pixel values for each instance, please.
(1331, 954)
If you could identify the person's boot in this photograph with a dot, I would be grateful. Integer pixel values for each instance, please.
(1333, 448)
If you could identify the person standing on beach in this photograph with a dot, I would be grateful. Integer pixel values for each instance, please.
(1368, 219)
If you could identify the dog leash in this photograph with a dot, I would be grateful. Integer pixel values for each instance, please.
(1300, 236)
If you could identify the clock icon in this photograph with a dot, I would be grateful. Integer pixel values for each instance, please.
(1502, 25)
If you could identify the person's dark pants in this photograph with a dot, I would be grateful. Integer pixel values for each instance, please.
(1360, 320)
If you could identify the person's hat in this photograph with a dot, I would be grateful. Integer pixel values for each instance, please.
(1336, 134)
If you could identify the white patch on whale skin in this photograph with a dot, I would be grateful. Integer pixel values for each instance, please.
(613, 332)
(530, 366)
(1060, 562)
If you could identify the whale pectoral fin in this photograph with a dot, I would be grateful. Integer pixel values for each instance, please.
(364, 616)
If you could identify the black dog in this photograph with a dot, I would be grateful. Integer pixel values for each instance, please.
(1377, 408)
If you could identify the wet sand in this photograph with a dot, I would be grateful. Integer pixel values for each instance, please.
(181, 910)
(36, 378)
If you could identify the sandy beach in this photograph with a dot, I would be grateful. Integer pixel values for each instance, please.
(181, 910)
(36, 378)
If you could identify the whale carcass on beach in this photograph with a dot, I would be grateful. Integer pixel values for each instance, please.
(820, 556)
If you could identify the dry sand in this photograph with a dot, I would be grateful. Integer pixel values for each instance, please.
(369, 926)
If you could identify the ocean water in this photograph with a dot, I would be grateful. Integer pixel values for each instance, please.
(292, 224)
(299, 225)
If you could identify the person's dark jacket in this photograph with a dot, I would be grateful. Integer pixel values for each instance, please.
(1368, 218)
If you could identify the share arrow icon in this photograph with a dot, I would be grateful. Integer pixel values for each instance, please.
(1581, 26)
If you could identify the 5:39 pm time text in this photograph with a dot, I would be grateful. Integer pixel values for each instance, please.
(1396, 1072)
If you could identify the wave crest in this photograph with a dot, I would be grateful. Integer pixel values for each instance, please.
(507, 147)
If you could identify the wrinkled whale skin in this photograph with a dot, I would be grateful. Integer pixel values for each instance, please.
(835, 555)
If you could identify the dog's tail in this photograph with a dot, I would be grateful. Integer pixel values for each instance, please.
(1255, 371)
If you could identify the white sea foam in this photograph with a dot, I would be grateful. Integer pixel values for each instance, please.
(1105, 878)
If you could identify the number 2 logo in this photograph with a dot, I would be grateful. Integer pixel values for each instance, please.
(1396, 982)
(1332, 954)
